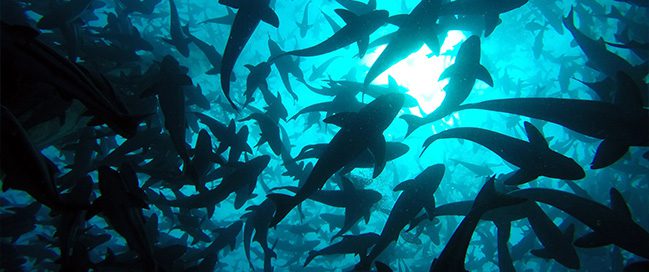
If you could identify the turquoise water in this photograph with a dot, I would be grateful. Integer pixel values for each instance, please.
(508, 54)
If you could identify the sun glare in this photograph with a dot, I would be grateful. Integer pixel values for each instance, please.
(419, 72)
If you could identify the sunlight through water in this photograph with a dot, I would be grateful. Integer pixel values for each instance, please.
(419, 72)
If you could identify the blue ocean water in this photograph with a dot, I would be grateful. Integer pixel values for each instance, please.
(529, 54)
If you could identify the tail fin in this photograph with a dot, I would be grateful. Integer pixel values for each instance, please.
(414, 122)
(312, 254)
(283, 205)
(569, 22)
(488, 198)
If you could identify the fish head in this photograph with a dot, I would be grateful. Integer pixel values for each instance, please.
(431, 176)
(565, 168)
(260, 162)
(373, 196)
(377, 17)
(383, 109)
(469, 50)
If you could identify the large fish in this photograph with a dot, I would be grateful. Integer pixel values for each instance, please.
(357, 29)
(359, 131)
(614, 225)
(462, 76)
(249, 14)
(619, 127)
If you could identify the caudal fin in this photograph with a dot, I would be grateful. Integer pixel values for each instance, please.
(488, 198)
(312, 254)
(414, 122)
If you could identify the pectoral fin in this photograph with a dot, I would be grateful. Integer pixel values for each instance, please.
(491, 22)
(618, 204)
(608, 152)
(430, 209)
(534, 136)
(398, 20)
(520, 177)
(377, 148)
(346, 15)
(269, 16)
(448, 72)
(362, 46)
(483, 75)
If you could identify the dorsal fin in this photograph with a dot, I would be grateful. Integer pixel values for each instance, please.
(371, 4)
(346, 15)
(618, 204)
(534, 135)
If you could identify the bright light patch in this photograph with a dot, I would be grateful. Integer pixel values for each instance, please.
(419, 73)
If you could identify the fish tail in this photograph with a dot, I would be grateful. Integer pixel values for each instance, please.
(488, 198)
(414, 122)
(312, 254)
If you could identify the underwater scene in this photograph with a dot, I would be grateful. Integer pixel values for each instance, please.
(324, 135)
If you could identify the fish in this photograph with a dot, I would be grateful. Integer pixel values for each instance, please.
(534, 158)
(462, 76)
(213, 56)
(619, 127)
(417, 194)
(490, 11)
(241, 180)
(415, 29)
(123, 211)
(43, 64)
(334, 26)
(227, 19)
(169, 88)
(357, 202)
(480, 170)
(346, 145)
(350, 244)
(249, 14)
(557, 244)
(603, 60)
(454, 253)
(257, 79)
(141, 6)
(358, 7)
(304, 26)
(357, 29)
(316, 72)
(25, 168)
(258, 219)
(226, 237)
(270, 131)
(641, 3)
(179, 38)
(393, 150)
(285, 65)
(614, 225)
(228, 136)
